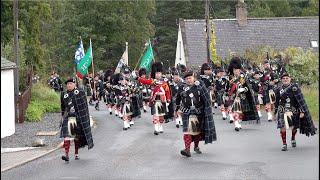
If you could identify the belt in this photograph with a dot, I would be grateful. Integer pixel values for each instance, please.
(191, 110)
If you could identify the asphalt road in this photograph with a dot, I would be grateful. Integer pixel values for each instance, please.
(253, 153)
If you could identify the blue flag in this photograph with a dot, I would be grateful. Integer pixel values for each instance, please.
(79, 53)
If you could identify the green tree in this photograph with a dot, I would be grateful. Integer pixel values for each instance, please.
(6, 22)
(312, 9)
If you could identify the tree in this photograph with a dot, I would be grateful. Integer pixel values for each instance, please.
(312, 9)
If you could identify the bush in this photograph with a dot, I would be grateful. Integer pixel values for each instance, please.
(34, 111)
(300, 64)
(43, 100)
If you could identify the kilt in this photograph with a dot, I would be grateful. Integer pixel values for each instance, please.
(266, 98)
(64, 133)
(153, 108)
(280, 117)
(220, 98)
(281, 123)
(88, 91)
(135, 106)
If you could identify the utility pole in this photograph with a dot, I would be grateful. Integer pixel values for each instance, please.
(207, 31)
(16, 55)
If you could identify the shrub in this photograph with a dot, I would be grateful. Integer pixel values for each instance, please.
(300, 64)
(43, 100)
(34, 111)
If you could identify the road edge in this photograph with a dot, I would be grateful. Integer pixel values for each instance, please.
(32, 159)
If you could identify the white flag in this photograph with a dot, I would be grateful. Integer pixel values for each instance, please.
(119, 66)
(123, 60)
(79, 53)
(125, 55)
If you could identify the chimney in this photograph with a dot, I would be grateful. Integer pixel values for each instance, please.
(241, 13)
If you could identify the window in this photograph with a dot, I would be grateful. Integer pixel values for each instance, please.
(314, 43)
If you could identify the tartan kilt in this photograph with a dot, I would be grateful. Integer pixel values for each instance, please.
(249, 110)
(281, 123)
(140, 100)
(266, 98)
(256, 99)
(153, 108)
(64, 132)
(110, 99)
(220, 98)
(88, 91)
(135, 106)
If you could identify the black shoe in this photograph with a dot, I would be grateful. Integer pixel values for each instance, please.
(125, 129)
(116, 114)
(110, 113)
(144, 110)
(284, 148)
(76, 157)
(177, 125)
(155, 133)
(65, 158)
(197, 150)
(231, 121)
(237, 129)
(224, 118)
(96, 106)
(269, 120)
(293, 143)
(185, 153)
(160, 131)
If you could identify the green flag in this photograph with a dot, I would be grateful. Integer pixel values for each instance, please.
(85, 62)
(147, 58)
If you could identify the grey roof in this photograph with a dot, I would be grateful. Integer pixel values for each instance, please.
(6, 64)
(278, 33)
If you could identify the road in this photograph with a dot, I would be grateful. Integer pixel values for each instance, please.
(253, 153)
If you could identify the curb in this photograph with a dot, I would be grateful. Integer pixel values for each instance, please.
(33, 158)
(10, 150)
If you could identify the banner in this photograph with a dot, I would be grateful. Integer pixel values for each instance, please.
(85, 62)
(147, 58)
(79, 53)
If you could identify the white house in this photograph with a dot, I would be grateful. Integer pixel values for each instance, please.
(7, 98)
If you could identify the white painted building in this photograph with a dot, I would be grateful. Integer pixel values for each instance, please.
(7, 98)
(180, 57)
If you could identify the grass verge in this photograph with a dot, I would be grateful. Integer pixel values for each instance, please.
(43, 100)
(311, 96)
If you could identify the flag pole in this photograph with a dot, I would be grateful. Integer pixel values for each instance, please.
(92, 64)
(75, 70)
(92, 59)
(154, 60)
(127, 53)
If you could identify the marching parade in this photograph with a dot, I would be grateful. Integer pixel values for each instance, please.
(190, 100)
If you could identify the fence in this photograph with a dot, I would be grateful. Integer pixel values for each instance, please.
(24, 99)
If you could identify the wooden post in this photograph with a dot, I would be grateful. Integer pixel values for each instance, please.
(16, 56)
